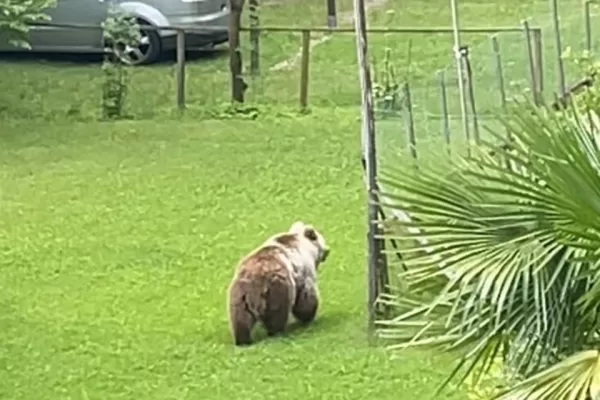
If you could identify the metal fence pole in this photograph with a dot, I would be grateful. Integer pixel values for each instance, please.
(499, 71)
(445, 117)
(533, 81)
(459, 70)
(471, 91)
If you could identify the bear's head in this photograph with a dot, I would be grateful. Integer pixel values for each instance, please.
(314, 237)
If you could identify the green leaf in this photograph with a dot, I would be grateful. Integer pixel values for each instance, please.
(507, 255)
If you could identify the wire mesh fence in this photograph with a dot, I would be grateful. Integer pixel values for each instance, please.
(314, 67)
(421, 118)
(503, 65)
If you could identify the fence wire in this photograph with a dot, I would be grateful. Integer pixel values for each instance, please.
(50, 86)
(436, 112)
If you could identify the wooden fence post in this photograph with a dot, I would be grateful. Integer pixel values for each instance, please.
(374, 257)
(238, 86)
(181, 69)
(587, 19)
(562, 86)
(331, 14)
(539, 61)
(253, 6)
(304, 69)
(410, 122)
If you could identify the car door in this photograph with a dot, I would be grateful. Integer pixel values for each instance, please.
(79, 12)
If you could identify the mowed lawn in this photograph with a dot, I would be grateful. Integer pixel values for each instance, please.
(118, 241)
(55, 88)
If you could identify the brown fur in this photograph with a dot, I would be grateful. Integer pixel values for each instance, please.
(307, 303)
(261, 291)
(276, 279)
(287, 239)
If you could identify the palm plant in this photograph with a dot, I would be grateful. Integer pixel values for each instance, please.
(505, 261)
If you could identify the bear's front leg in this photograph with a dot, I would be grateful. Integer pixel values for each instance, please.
(307, 303)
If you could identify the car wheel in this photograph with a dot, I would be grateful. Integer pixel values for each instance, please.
(146, 52)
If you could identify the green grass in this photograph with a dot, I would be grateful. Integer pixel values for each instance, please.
(119, 240)
(59, 90)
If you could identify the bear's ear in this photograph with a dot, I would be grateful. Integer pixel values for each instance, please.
(310, 232)
(297, 227)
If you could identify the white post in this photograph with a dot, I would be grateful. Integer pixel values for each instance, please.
(459, 71)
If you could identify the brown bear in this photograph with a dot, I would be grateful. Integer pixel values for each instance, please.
(274, 280)
(307, 292)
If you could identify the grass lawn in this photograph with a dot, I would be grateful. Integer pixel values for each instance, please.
(68, 89)
(119, 240)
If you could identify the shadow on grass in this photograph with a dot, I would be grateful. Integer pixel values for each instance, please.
(295, 329)
(82, 59)
(325, 322)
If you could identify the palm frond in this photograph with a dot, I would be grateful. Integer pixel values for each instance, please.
(576, 378)
(518, 247)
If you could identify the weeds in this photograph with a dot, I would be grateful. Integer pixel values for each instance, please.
(121, 32)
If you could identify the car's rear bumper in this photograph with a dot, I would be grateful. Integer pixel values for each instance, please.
(203, 29)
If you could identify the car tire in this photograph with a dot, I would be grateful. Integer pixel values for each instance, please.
(147, 52)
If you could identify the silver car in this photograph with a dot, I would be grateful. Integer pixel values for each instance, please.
(187, 13)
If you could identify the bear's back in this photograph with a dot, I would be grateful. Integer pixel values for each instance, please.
(265, 263)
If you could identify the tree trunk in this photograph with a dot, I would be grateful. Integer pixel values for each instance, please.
(238, 86)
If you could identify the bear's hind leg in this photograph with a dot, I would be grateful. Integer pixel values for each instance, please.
(241, 328)
(278, 307)
(241, 320)
(275, 321)
(307, 303)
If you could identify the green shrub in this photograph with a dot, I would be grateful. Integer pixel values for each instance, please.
(17, 15)
(511, 256)
(120, 31)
